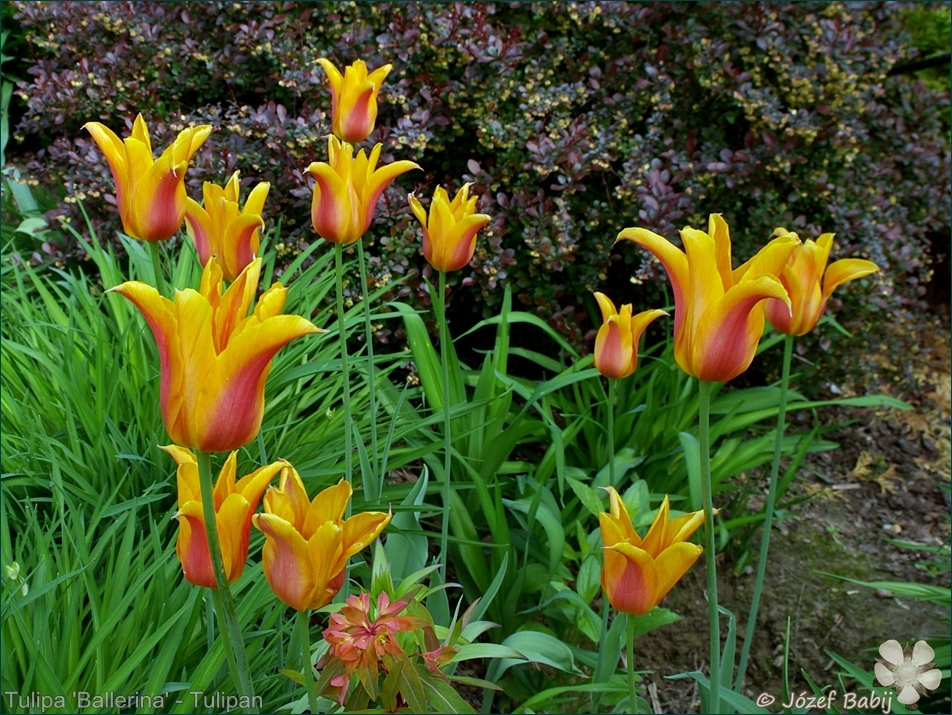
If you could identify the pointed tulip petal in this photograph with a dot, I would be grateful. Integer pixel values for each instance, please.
(846, 269)
(286, 562)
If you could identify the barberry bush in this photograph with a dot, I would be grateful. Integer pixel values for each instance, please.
(574, 120)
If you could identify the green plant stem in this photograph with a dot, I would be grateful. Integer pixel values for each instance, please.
(632, 697)
(376, 480)
(157, 268)
(768, 514)
(611, 432)
(304, 622)
(704, 439)
(231, 636)
(447, 437)
(348, 457)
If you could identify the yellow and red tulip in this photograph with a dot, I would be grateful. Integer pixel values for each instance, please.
(354, 98)
(150, 193)
(810, 283)
(616, 344)
(215, 357)
(220, 230)
(235, 503)
(308, 543)
(347, 189)
(638, 573)
(449, 232)
(718, 316)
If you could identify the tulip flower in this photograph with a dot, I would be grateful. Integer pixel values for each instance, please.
(354, 98)
(719, 316)
(150, 194)
(616, 344)
(347, 190)
(637, 572)
(215, 357)
(307, 544)
(235, 503)
(223, 232)
(449, 234)
(802, 276)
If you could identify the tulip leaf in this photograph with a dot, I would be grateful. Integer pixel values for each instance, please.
(407, 552)
(741, 703)
(692, 458)
(655, 618)
(536, 647)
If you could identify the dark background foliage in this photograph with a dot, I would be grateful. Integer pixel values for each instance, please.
(574, 120)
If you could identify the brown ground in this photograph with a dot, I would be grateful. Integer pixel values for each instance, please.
(882, 483)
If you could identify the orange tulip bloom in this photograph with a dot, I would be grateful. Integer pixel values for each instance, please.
(307, 544)
(802, 277)
(354, 98)
(347, 190)
(616, 345)
(718, 316)
(221, 231)
(150, 194)
(449, 236)
(637, 572)
(215, 357)
(234, 506)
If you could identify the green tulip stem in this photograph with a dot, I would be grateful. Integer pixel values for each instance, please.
(348, 457)
(632, 697)
(611, 432)
(704, 438)
(447, 437)
(376, 480)
(768, 514)
(156, 256)
(304, 623)
(232, 639)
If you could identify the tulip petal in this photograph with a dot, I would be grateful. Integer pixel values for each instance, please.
(375, 185)
(225, 484)
(361, 529)
(358, 112)
(630, 579)
(769, 260)
(192, 546)
(329, 505)
(254, 204)
(199, 226)
(232, 395)
(285, 560)
(464, 246)
(325, 552)
(657, 537)
(160, 313)
(233, 520)
(242, 241)
(195, 360)
(846, 269)
(605, 305)
(114, 150)
(682, 527)
(720, 233)
(159, 204)
(673, 563)
(675, 264)
(729, 331)
(613, 350)
(618, 510)
(331, 209)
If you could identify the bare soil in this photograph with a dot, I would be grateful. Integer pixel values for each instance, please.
(881, 485)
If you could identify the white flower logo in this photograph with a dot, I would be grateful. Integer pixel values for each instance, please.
(912, 673)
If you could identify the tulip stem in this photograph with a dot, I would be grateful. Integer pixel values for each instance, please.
(230, 630)
(348, 458)
(704, 439)
(304, 623)
(156, 256)
(768, 514)
(611, 432)
(447, 437)
(632, 697)
(375, 480)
